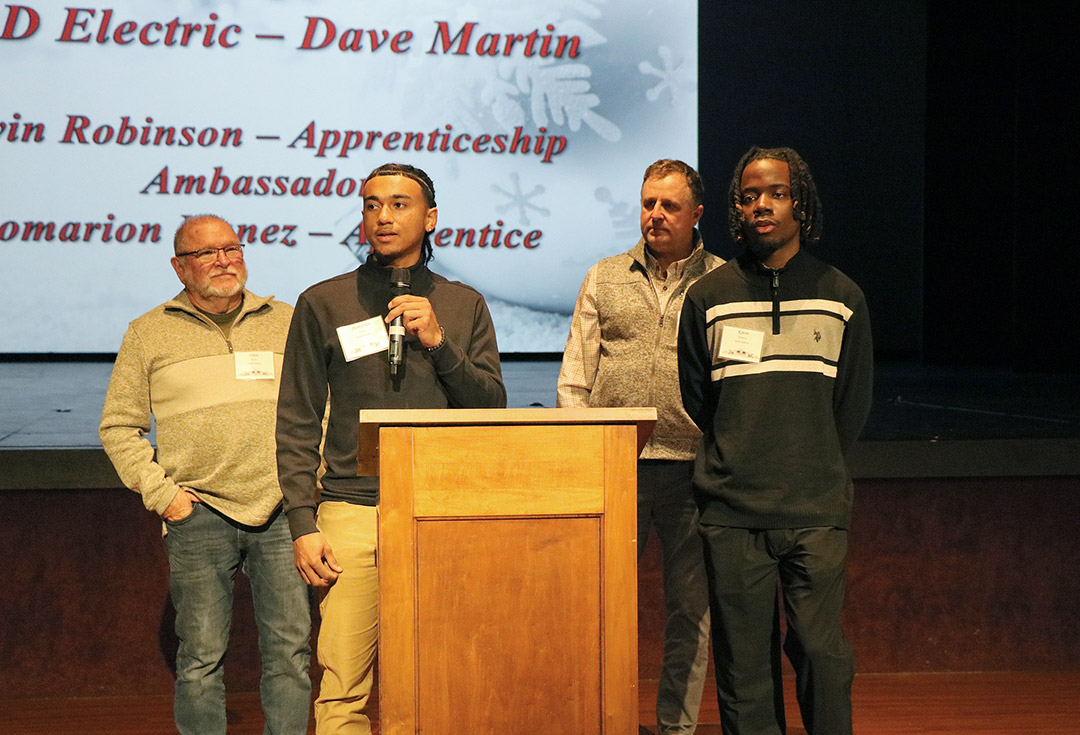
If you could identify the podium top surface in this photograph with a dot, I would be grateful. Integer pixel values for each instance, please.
(644, 418)
(458, 416)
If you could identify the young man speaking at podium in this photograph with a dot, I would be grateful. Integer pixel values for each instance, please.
(446, 357)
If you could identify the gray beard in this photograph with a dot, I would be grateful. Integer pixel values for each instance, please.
(217, 292)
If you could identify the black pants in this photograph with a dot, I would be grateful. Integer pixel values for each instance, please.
(743, 566)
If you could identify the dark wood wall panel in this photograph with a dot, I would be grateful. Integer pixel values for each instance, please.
(965, 575)
(84, 607)
(944, 575)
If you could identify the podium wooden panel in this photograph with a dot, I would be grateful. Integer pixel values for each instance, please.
(507, 569)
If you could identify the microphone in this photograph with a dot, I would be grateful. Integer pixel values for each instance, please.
(399, 285)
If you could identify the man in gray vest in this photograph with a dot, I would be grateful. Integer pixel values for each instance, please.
(622, 352)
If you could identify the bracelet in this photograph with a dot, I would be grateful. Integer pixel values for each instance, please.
(442, 340)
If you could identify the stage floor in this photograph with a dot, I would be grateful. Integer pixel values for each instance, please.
(996, 703)
(924, 419)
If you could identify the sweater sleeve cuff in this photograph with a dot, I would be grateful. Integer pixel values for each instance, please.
(446, 356)
(302, 522)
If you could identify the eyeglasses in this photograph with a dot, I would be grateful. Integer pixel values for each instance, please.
(209, 255)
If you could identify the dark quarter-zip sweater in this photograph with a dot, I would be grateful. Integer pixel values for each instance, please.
(776, 432)
(463, 372)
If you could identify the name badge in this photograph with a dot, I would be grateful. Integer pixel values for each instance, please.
(254, 365)
(743, 345)
(363, 338)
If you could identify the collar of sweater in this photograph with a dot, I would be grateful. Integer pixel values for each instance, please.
(751, 266)
(251, 304)
(697, 253)
(373, 275)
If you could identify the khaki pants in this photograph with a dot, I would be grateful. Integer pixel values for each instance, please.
(349, 636)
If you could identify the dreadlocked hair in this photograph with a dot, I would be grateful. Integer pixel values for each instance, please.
(804, 192)
(420, 177)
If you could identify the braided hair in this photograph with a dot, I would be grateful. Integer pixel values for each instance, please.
(803, 191)
(426, 186)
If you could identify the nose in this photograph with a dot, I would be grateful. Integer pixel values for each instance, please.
(761, 205)
(221, 257)
(657, 212)
(384, 214)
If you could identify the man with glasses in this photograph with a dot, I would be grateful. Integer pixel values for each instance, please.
(205, 366)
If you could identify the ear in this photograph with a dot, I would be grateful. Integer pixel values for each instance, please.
(799, 212)
(697, 213)
(178, 267)
(430, 219)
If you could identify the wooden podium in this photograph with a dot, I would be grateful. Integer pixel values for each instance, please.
(507, 569)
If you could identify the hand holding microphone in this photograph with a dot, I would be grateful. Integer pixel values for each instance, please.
(415, 315)
(399, 286)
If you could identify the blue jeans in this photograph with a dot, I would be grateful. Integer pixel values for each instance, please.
(205, 552)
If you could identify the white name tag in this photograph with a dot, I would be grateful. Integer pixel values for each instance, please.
(254, 365)
(743, 345)
(363, 338)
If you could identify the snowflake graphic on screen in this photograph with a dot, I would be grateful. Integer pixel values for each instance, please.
(624, 220)
(556, 94)
(551, 91)
(676, 76)
(519, 200)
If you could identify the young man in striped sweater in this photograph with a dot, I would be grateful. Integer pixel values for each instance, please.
(775, 364)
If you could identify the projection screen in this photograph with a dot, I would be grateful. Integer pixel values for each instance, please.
(535, 120)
